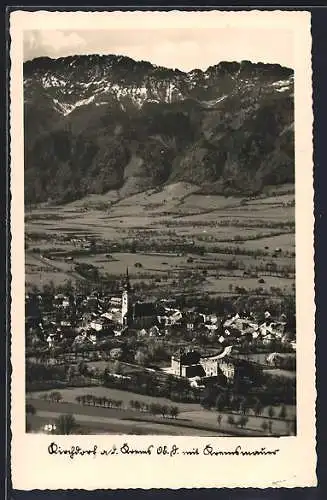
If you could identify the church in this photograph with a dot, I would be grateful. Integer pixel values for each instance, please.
(135, 313)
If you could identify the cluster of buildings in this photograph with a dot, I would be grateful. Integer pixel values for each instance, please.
(88, 319)
(267, 331)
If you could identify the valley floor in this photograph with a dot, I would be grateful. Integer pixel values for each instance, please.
(175, 239)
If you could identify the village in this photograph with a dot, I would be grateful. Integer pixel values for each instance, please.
(159, 349)
(52, 320)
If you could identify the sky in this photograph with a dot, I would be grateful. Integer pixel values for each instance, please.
(182, 48)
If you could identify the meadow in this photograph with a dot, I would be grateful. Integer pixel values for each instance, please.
(167, 238)
(192, 418)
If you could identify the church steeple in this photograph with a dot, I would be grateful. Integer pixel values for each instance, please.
(126, 283)
(125, 304)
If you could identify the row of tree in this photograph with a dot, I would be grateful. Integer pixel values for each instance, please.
(246, 404)
(242, 421)
(155, 408)
(104, 402)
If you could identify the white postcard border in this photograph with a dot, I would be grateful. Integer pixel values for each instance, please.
(32, 467)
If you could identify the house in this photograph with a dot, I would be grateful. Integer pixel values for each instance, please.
(101, 324)
(142, 333)
(212, 327)
(271, 358)
(154, 331)
(51, 340)
(58, 299)
(65, 302)
(196, 383)
(268, 338)
(169, 317)
(120, 330)
(65, 323)
(107, 315)
(97, 324)
(85, 338)
(287, 338)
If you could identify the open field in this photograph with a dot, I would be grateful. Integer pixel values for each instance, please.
(216, 240)
(192, 419)
(104, 425)
(69, 395)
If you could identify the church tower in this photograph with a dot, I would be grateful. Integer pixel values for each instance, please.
(124, 302)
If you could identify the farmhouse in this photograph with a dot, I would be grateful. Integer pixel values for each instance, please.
(169, 317)
(100, 324)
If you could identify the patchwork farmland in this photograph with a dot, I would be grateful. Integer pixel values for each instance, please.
(177, 237)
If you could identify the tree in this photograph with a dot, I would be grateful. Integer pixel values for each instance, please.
(242, 407)
(220, 402)
(117, 368)
(70, 373)
(174, 411)
(270, 426)
(283, 412)
(30, 409)
(234, 402)
(271, 412)
(257, 407)
(56, 396)
(230, 420)
(144, 407)
(82, 368)
(141, 357)
(264, 426)
(132, 404)
(206, 402)
(164, 410)
(243, 421)
(89, 398)
(119, 404)
(66, 424)
(154, 409)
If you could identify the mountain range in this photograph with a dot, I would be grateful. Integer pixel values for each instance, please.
(98, 123)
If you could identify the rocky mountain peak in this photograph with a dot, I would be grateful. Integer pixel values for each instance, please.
(100, 122)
